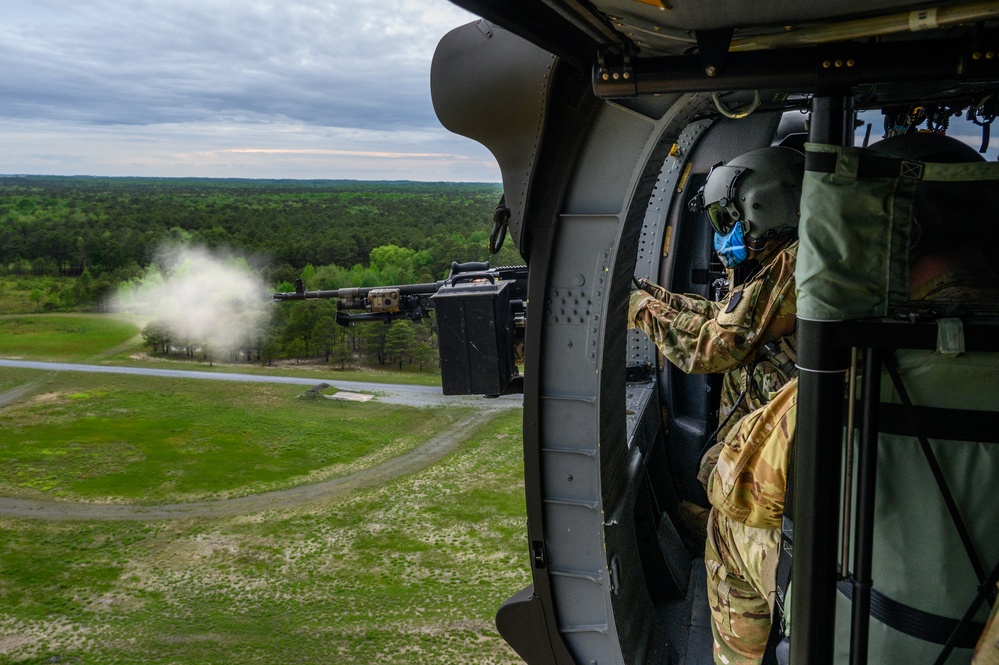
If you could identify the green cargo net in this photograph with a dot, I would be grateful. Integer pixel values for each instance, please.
(857, 230)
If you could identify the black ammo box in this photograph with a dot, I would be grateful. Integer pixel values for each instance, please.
(475, 336)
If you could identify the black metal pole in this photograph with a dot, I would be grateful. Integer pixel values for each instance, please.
(866, 484)
(818, 448)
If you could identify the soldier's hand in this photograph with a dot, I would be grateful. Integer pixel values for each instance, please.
(653, 290)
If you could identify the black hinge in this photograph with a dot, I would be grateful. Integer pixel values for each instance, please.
(538, 554)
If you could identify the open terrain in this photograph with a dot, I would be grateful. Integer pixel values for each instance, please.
(220, 522)
(64, 337)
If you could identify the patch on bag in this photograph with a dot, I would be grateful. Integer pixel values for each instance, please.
(733, 301)
(913, 170)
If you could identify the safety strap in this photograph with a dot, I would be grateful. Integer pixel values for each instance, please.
(786, 553)
(870, 165)
(917, 623)
(782, 354)
(942, 423)
(501, 221)
(821, 158)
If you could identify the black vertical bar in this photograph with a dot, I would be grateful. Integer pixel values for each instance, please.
(818, 448)
(831, 119)
(817, 462)
(866, 485)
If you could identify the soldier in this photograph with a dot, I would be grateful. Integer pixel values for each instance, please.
(748, 484)
(753, 205)
(746, 489)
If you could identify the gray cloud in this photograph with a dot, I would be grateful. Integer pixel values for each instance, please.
(228, 88)
(343, 64)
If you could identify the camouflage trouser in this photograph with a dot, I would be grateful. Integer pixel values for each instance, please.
(741, 562)
(987, 651)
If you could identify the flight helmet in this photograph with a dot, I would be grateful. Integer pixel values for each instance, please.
(753, 200)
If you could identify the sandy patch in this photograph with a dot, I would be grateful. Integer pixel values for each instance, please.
(349, 397)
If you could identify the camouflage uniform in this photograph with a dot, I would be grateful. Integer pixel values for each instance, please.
(987, 651)
(746, 490)
(700, 336)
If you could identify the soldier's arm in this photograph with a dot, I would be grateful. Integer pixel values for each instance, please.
(701, 336)
(669, 322)
(642, 298)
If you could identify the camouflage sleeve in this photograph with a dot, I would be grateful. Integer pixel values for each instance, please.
(749, 481)
(702, 336)
(648, 312)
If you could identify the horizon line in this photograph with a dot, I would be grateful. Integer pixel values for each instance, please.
(200, 177)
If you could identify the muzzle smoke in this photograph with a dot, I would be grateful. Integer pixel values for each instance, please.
(203, 300)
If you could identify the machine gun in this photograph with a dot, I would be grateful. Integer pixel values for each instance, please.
(480, 321)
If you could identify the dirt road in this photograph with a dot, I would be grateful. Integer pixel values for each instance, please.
(428, 453)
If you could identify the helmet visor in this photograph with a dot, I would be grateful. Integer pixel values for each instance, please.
(720, 218)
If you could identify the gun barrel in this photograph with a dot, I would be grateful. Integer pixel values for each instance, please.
(355, 297)
(307, 295)
(359, 292)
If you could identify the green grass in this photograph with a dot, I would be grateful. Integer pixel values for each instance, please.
(96, 436)
(61, 337)
(411, 572)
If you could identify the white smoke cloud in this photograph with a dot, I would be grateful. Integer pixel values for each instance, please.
(201, 298)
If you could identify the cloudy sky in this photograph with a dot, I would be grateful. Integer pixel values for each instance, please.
(233, 88)
(228, 88)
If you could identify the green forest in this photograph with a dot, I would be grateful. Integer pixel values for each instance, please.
(71, 243)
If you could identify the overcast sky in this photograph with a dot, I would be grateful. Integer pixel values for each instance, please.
(228, 88)
(234, 88)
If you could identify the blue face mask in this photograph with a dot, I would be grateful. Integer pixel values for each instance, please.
(731, 247)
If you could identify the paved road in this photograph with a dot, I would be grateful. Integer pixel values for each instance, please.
(424, 455)
(390, 393)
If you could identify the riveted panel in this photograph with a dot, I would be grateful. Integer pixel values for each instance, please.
(570, 475)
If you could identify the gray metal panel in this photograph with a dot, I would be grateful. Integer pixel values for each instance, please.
(587, 433)
(574, 313)
(707, 15)
(568, 475)
(638, 396)
(618, 135)
(478, 80)
(652, 244)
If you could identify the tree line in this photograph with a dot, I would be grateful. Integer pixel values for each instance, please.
(52, 225)
(107, 232)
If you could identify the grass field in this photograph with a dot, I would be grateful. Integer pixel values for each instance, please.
(98, 436)
(409, 571)
(61, 337)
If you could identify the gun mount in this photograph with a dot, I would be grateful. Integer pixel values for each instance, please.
(479, 319)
